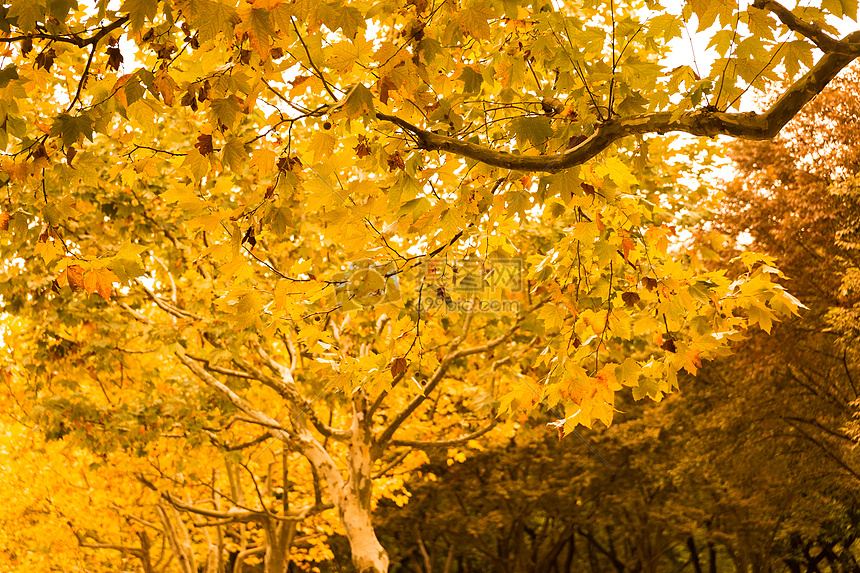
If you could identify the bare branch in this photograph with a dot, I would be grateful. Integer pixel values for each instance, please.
(702, 122)
(167, 307)
(220, 369)
(440, 372)
(71, 39)
(447, 443)
(137, 316)
(234, 398)
(233, 514)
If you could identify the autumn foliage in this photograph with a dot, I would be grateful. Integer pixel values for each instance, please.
(260, 257)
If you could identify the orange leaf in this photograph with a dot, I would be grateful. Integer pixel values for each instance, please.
(100, 281)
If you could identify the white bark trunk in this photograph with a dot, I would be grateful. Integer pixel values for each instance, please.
(351, 497)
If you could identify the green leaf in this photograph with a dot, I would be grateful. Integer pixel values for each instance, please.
(139, 11)
(197, 164)
(234, 154)
(28, 14)
(72, 128)
(359, 102)
(471, 78)
(841, 8)
(335, 16)
(258, 24)
(534, 130)
(215, 18)
(225, 110)
(8, 74)
(628, 372)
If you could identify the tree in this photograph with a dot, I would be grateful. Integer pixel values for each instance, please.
(753, 465)
(298, 265)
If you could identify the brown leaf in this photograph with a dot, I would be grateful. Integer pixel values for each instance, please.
(4, 221)
(114, 58)
(299, 80)
(395, 162)
(39, 153)
(70, 154)
(203, 94)
(276, 53)
(249, 237)
(589, 189)
(398, 366)
(204, 144)
(27, 45)
(288, 163)
(45, 60)
(630, 298)
(649, 283)
(363, 147)
(669, 345)
(166, 86)
(189, 99)
(385, 85)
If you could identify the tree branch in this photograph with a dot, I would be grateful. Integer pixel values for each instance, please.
(71, 39)
(819, 37)
(439, 374)
(287, 388)
(701, 122)
(277, 431)
(424, 445)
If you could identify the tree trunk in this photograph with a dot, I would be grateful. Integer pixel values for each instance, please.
(368, 554)
(351, 497)
(694, 554)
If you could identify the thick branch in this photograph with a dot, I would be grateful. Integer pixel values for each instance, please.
(819, 37)
(702, 122)
(71, 38)
(233, 514)
(277, 430)
(287, 388)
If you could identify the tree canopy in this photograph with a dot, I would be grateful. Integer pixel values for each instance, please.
(259, 256)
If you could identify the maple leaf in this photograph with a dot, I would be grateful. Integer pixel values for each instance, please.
(630, 298)
(395, 162)
(533, 130)
(139, 11)
(166, 86)
(398, 366)
(257, 23)
(74, 276)
(45, 59)
(204, 143)
(100, 281)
